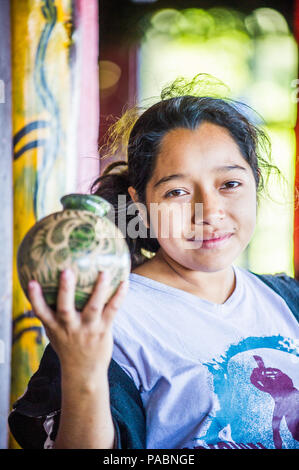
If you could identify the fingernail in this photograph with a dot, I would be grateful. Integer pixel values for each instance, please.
(31, 285)
(67, 273)
(106, 275)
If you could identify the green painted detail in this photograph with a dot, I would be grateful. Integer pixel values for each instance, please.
(81, 299)
(58, 235)
(41, 248)
(92, 203)
(50, 295)
(81, 238)
(61, 255)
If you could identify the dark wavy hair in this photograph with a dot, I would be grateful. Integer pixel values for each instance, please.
(143, 135)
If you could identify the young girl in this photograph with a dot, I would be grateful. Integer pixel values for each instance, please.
(194, 352)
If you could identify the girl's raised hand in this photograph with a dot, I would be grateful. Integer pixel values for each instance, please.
(82, 340)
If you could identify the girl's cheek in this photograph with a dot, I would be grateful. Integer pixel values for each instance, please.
(166, 221)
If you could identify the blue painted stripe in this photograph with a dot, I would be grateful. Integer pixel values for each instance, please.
(29, 128)
(29, 146)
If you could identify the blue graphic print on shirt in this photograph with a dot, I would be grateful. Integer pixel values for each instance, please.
(257, 398)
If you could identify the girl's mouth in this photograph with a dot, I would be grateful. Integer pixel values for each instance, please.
(212, 242)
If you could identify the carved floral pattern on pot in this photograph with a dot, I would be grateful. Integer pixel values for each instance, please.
(80, 237)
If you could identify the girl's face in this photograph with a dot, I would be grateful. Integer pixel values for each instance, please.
(211, 170)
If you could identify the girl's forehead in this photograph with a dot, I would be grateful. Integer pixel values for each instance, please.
(206, 135)
(208, 146)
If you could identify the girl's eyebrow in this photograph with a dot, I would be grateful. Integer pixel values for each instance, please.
(182, 176)
(169, 178)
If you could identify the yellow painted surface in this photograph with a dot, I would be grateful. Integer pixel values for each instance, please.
(41, 41)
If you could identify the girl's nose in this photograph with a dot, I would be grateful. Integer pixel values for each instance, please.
(211, 210)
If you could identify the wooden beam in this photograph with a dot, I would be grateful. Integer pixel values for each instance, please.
(6, 228)
(88, 103)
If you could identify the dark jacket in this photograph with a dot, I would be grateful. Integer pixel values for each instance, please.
(40, 404)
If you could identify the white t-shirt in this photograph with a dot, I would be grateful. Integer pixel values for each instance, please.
(210, 375)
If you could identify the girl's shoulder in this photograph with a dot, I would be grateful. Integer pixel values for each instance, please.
(285, 286)
(279, 280)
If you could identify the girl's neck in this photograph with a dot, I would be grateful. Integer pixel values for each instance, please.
(215, 287)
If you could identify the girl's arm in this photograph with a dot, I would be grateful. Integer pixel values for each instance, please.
(85, 420)
(83, 341)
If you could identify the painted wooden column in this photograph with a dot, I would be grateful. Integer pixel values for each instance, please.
(87, 74)
(54, 83)
(6, 229)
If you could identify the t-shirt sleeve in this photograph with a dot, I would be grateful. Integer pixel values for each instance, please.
(34, 419)
(135, 347)
(126, 352)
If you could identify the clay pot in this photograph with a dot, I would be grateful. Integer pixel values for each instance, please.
(80, 237)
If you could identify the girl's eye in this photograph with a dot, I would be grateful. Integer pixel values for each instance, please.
(173, 191)
(232, 184)
(229, 185)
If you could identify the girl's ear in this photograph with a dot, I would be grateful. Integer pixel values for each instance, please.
(142, 213)
(133, 194)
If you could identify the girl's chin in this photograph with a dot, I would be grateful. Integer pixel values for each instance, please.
(209, 267)
(203, 260)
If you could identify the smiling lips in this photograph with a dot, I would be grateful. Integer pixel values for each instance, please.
(211, 242)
